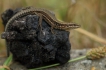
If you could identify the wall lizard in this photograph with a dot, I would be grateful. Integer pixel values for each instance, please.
(48, 16)
(43, 14)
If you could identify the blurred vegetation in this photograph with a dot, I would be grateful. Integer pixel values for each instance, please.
(90, 14)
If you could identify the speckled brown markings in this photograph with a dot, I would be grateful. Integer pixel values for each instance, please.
(43, 14)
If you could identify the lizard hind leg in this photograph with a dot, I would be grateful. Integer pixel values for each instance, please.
(40, 23)
(26, 8)
(52, 30)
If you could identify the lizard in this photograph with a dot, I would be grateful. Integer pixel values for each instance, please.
(43, 14)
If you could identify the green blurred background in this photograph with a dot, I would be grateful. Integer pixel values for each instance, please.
(90, 14)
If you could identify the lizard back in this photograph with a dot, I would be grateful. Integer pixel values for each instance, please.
(47, 15)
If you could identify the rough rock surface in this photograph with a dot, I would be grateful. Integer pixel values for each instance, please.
(32, 45)
(84, 64)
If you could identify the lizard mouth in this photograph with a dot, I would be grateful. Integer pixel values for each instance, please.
(77, 26)
(74, 26)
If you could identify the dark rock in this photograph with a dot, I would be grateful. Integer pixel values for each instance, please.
(35, 46)
(6, 16)
(99, 64)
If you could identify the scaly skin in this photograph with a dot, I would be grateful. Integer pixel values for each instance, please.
(44, 14)
(48, 16)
